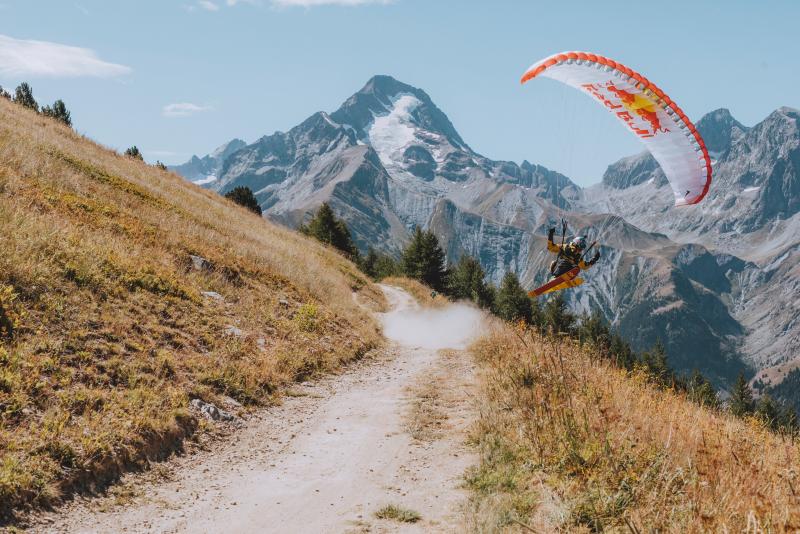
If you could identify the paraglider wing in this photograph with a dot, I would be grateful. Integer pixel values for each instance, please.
(644, 109)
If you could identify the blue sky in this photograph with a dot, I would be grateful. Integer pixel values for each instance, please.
(181, 77)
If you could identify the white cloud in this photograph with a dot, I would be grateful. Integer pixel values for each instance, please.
(314, 3)
(183, 109)
(19, 58)
(208, 5)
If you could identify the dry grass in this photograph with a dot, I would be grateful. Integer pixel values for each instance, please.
(421, 293)
(431, 396)
(570, 443)
(106, 331)
(398, 513)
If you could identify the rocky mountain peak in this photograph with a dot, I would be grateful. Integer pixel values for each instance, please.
(382, 95)
(719, 130)
(633, 170)
(227, 149)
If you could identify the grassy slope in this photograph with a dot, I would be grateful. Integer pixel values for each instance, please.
(570, 443)
(113, 335)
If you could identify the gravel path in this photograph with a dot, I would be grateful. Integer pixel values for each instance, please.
(390, 430)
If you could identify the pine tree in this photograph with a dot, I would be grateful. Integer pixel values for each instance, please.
(160, 166)
(557, 315)
(594, 329)
(701, 391)
(424, 260)
(621, 353)
(244, 197)
(133, 152)
(787, 419)
(325, 227)
(59, 112)
(4, 94)
(386, 266)
(23, 96)
(512, 301)
(369, 263)
(768, 411)
(741, 403)
(412, 255)
(655, 361)
(467, 281)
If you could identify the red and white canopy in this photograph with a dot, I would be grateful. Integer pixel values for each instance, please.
(645, 110)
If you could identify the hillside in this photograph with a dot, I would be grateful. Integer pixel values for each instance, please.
(571, 443)
(126, 292)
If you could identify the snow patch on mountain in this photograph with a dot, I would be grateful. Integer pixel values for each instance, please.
(390, 134)
(205, 181)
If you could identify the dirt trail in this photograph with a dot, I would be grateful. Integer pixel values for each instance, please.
(390, 430)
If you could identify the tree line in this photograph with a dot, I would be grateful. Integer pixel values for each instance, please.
(424, 260)
(23, 95)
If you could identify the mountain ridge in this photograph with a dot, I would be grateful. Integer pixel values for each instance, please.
(388, 159)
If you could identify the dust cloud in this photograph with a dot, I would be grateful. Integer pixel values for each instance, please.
(452, 327)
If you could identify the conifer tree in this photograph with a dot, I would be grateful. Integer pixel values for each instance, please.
(4, 94)
(621, 352)
(133, 152)
(23, 96)
(424, 260)
(244, 197)
(655, 361)
(59, 112)
(467, 281)
(787, 419)
(701, 391)
(386, 266)
(325, 227)
(593, 328)
(741, 402)
(768, 411)
(557, 315)
(369, 263)
(512, 301)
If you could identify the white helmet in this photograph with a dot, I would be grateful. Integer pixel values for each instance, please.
(580, 242)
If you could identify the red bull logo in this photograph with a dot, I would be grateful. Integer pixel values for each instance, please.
(629, 106)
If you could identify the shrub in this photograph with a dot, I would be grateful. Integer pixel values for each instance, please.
(306, 318)
(9, 316)
(244, 197)
(133, 152)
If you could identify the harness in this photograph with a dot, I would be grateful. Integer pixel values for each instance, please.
(561, 248)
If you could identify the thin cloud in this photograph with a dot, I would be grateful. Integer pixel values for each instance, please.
(315, 3)
(208, 5)
(20, 58)
(183, 109)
